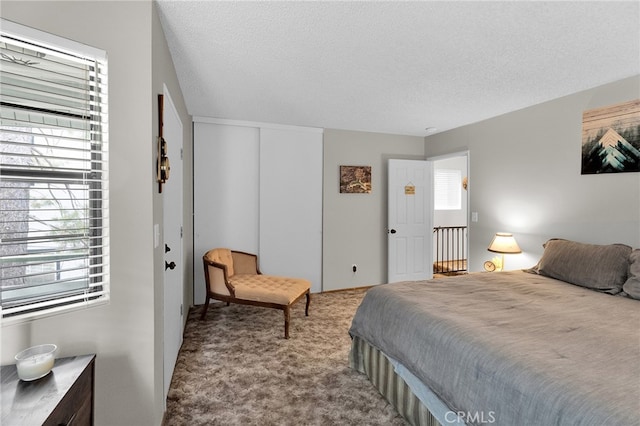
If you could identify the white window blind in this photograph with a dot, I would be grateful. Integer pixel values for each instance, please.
(54, 234)
(447, 189)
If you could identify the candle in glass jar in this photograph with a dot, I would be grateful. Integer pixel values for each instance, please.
(35, 367)
(35, 362)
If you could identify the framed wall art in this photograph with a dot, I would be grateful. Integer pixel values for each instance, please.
(355, 179)
(611, 139)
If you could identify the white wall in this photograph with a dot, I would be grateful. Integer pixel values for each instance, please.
(124, 334)
(164, 75)
(354, 225)
(525, 178)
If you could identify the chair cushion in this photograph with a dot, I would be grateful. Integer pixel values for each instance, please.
(222, 255)
(269, 288)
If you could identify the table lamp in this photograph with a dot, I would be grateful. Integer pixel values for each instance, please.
(502, 243)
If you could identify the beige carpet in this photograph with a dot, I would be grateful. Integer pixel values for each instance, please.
(235, 368)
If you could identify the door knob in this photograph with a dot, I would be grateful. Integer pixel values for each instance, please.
(166, 248)
(393, 231)
(168, 265)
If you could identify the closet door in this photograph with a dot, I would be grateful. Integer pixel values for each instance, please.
(225, 193)
(291, 203)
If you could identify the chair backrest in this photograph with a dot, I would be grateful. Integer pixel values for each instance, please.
(222, 255)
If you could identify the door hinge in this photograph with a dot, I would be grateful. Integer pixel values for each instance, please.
(181, 153)
(181, 232)
(181, 309)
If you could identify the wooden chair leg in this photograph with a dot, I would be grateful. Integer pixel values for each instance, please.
(204, 310)
(287, 319)
(306, 308)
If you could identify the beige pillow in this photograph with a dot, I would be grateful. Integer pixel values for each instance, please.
(632, 285)
(599, 267)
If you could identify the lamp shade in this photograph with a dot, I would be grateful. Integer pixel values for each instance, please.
(504, 243)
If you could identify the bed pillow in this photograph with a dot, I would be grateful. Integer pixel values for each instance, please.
(598, 267)
(632, 285)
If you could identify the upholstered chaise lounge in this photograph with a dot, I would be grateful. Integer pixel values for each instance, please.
(234, 277)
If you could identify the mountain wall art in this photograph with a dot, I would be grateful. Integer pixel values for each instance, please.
(611, 139)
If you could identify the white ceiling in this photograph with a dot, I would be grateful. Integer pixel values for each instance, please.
(393, 67)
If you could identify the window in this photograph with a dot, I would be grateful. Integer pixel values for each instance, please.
(54, 235)
(447, 189)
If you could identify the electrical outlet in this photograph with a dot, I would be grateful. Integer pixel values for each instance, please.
(354, 268)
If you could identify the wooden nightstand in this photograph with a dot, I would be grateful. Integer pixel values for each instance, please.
(63, 397)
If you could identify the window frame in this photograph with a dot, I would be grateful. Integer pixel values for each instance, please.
(94, 178)
(453, 182)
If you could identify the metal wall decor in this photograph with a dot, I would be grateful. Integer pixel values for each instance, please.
(162, 163)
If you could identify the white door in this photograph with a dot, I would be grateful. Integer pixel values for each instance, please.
(172, 227)
(291, 204)
(410, 206)
(226, 184)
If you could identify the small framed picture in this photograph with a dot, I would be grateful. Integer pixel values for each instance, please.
(355, 179)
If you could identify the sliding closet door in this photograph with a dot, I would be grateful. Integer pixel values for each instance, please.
(291, 203)
(225, 198)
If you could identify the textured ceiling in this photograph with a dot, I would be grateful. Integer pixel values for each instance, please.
(393, 67)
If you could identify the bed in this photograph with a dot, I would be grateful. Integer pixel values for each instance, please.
(555, 345)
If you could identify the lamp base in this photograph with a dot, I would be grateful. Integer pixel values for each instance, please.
(499, 262)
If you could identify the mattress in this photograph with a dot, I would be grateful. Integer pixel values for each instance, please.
(512, 348)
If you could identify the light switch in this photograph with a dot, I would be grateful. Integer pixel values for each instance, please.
(474, 216)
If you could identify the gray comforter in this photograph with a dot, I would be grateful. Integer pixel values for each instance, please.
(512, 348)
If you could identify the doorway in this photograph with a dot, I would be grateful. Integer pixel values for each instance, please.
(450, 214)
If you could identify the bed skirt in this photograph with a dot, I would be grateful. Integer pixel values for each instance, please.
(381, 372)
